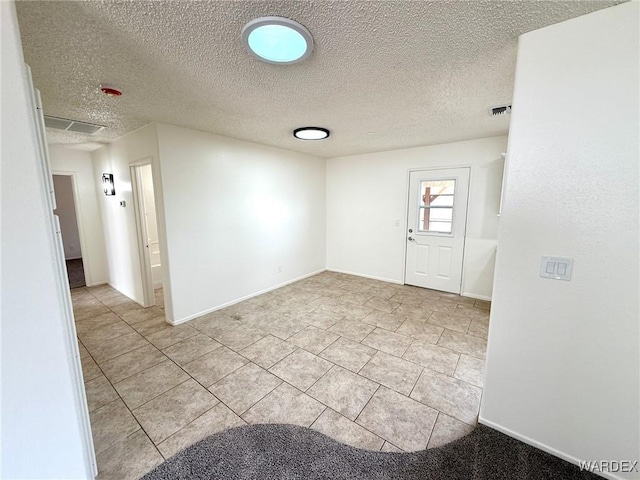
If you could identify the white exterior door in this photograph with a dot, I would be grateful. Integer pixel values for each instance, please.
(436, 228)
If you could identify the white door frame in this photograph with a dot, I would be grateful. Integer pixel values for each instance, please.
(148, 295)
(81, 234)
(406, 216)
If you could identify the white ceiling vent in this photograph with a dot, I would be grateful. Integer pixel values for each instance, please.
(500, 110)
(71, 125)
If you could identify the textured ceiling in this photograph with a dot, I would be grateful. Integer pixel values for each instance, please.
(383, 75)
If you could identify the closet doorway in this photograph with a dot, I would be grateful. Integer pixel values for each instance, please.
(147, 229)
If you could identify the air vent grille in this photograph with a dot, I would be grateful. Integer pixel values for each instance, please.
(500, 110)
(71, 125)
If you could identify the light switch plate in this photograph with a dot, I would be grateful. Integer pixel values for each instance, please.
(557, 268)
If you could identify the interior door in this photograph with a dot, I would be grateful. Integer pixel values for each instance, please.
(148, 296)
(437, 216)
(151, 223)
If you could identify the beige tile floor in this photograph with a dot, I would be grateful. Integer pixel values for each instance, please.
(372, 364)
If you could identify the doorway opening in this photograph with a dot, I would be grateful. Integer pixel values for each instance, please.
(147, 229)
(436, 224)
(67, 212)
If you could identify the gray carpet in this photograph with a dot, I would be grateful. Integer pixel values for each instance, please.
(75, 273)
(290, 452)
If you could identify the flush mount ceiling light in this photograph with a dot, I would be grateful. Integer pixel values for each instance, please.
(277, 40)
(311, 133)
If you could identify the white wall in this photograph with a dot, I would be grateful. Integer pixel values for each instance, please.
(119, 224)
(66, 211)
(77, 162)
(234, 211)
(563, 358)
(41, 418)
(367, 209)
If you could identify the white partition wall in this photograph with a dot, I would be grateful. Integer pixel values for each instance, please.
(563, 356)
(43, 418)
(119, 223)
(240, 218)
(236, 217)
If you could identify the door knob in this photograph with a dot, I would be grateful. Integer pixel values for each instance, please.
(411, 239)
(411, 230)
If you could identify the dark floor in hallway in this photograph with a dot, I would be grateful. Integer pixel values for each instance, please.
(75, 273)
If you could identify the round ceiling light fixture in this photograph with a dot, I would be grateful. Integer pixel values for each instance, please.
(277, 40)
(311, 133)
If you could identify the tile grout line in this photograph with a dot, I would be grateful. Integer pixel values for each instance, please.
(220, 402)
(435, 422)
(357, 424)
(414, 387)
(130, 412)
(320, 377)
(138, 372)
(355, 420)
(167, 358)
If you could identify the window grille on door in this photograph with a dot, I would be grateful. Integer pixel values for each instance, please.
(436, 205)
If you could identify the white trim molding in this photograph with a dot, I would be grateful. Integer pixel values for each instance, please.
(372, 277)
(543, 447)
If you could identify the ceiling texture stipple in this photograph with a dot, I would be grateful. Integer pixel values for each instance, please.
(383, 74)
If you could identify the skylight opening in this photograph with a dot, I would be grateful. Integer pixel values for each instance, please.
(277, 40)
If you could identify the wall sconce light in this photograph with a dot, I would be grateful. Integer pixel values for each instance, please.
(107, 184)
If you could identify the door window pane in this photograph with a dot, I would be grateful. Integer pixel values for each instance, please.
(440, 215)
(442, 201)
(436, 205)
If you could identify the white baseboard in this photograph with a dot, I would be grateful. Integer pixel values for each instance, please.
(477, 297)
(542, 446)
(242, 299)
(372, 277)
(388, 280)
